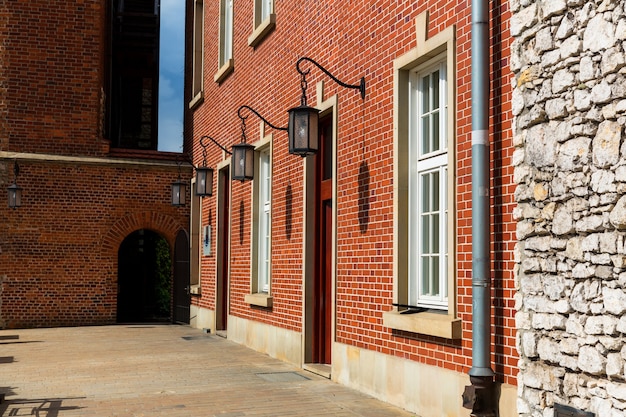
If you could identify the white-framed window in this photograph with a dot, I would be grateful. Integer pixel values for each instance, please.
(225, 61)
(428, 186)
(197, 79)
(261, 248)
(264, 204)
(424, 173)
(227, 32)
(264, 21)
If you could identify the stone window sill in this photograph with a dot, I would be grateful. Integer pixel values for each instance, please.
(224, 71)
(195, 102)
(259, 299)
(431, 324)
(261, 31)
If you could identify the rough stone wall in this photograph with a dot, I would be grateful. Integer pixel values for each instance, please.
(569, 103)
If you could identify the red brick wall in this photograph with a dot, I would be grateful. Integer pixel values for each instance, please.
(353, 39)
(54, 56)
(58, 252)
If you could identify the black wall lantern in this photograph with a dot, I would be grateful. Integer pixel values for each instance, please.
(15, 191)
(304, 120)
(243, 153)
(204, 174)
(178, 188)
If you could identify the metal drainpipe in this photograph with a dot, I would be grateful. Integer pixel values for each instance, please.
(480, 395)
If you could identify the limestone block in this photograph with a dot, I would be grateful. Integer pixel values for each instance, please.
(571, 46)
(563, 80)
(620, 30)
(548, 350)
(611, 342)
(614, 300)
(550, 8)
(602, 259)
(599, 35)
(528, 342)
(612, 61)
(616, 390)
(605, 145)
(591, 360)
(601, 93)
(581, 271)
(617, 216)
(531, 284)
(563, 222)
(544, 39)
(608, 242)
(548, 321)
(569, 345)
(525, 18)
(565, 28)
(551, 58)
(591, 243)
(618, 261)
(603, 181)
(620, 173)
(586, 70)
(573, 154)
(523, 320)
(582, 99)
(556, 108)
(538, 243)
(574, 326)
(524, 229)
(601, 325)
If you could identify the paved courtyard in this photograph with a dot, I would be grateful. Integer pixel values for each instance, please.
(161, 370)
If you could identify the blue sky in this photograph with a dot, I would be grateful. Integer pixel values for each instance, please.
(172, 69)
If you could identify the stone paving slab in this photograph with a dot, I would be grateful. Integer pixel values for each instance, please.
(161, 370)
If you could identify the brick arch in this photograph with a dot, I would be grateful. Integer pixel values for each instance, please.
(165, 225)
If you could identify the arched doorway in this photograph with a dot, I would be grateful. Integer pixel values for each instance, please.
(144, 278)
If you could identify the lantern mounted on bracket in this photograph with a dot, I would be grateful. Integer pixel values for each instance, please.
(243, 153)
(178, 187)
(304, 120)
(204, 174)
(14, 190)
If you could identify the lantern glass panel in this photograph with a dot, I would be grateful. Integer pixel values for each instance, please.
(302, 130)
(243, 162)
(178, 193)
(204, 181)
(15, 196)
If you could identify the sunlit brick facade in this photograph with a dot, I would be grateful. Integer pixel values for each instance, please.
(346, 230)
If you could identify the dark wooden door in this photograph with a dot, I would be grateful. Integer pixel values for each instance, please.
(323, 308)
(182, 299)
(223, 244)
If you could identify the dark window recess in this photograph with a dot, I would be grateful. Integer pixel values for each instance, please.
(567, 411)
(134, 74)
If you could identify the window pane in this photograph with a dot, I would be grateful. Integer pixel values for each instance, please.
(436, 140)
(434, 204)
(425, 91)
(435, 232)
(435, 84)
(425, 276)
(425, 135)
(425, 234)
(425, 183)
(266, 7)
(435, 276)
